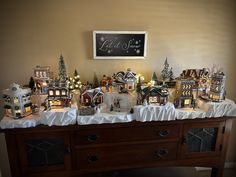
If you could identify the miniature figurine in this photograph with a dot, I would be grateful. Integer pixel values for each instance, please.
(111, 107)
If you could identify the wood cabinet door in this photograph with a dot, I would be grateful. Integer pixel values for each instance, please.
(44, 151)
(202, 139)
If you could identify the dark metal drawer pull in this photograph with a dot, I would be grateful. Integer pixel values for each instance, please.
(164, 133)
(92, 138)
(67, 149)
(161, 153)
(92, 158)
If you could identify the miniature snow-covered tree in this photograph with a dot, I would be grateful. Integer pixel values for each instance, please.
(154, 78)
(95, 81)
(172, 77)
(75, 83)
(62, 69)
(31, 83)
(165, 73)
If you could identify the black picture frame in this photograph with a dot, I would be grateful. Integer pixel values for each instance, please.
(119, 44)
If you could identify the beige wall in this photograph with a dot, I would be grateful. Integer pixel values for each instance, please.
(191, 33)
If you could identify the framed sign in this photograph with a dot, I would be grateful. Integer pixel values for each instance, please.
(119, 44)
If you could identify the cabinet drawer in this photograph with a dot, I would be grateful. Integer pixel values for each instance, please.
(123, 134)
(117, 156)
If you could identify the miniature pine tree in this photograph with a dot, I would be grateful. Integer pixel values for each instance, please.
(62, 69)
(75, 83)
(31, 83)
(139, 84)
(95, 81)
(171, 74)
(154, 78)
(165, 72)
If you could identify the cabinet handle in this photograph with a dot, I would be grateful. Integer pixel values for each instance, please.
(164, 133)
(92, 158)
(92, 138)
(67, 149)
(161, 153)
(184, 140)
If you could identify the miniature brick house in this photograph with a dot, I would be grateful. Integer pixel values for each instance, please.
(155, 94)
(217, 90)
(93, 96)
(59, 94)
(184, 93)
(42, 77)
(17, 102)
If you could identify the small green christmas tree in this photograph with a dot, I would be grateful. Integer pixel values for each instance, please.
(95, 81)
(75, 83)
(154, 78)
(165, 73)
(62, 69)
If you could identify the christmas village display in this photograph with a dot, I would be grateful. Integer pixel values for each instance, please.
(119, 93)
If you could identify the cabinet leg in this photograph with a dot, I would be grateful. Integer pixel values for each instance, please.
(217, 172)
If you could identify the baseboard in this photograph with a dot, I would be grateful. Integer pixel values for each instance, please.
(227, 165)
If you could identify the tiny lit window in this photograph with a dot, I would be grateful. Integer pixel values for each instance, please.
(57, 92)
(187, 102)
(16, 100)
(86, 100)
(152, 99)
(50, 92)
(63, 92)
(27, 109)
(9, 111)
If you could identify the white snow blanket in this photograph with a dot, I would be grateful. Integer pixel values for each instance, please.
(208, 109)
(155, 112)
(59, 117)
(29, 121)
(100, 118)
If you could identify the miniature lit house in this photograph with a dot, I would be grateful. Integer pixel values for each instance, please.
(155, 94)
(217, 90)
(184, 93)
(130, 78)
(201, 78)
(93, 96)
(59, 95)
(17, 102)
(42, 76)
(125, 81)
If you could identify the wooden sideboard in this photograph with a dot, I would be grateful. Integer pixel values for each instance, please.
(81, 149)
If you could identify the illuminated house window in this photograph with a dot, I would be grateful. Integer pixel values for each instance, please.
(63, 92)
(57, 92)
(187, 102)
(16, 100)
(152, 99)
(51, 92)
(27, 109)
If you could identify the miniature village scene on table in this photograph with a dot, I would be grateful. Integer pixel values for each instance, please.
(120, 92)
